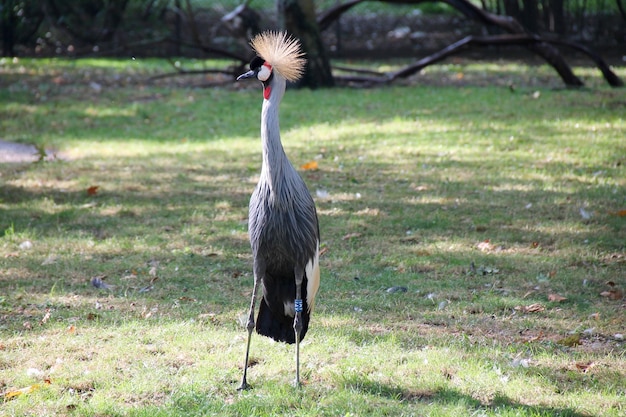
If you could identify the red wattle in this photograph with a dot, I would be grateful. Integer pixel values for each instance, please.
(266, 92)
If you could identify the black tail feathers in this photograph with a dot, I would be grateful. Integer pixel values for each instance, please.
(279, 326)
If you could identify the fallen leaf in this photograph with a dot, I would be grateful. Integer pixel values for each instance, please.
(621, 213)
(536, 338)
(585, 367)
(71, 329)
(533, 308)
(310, 166)
(93, 190)
(46, 317)
(613, 294)
(556, 297)
(26, 390)
(351, 236)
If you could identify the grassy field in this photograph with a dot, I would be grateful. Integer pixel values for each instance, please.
(474, 243)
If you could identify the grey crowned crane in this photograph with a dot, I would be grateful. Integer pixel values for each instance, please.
(282, 223)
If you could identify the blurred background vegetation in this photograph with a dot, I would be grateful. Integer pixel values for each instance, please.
(210, 28)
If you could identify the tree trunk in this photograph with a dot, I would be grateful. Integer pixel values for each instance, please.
(530, 15)
(298, 18)
(558, 16)
(8, 22)
(512, 8)
(622, 9)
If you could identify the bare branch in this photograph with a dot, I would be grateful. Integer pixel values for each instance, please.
(507, 39)
(518, 35)
(328, 17)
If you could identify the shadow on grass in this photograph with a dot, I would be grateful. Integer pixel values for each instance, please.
(174, 202)
(446, 396)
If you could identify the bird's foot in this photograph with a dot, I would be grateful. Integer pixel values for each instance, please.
(244, 386)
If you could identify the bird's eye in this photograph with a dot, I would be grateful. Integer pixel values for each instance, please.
(264, 72)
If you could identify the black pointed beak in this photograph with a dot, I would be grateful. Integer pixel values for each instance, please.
(248, 74)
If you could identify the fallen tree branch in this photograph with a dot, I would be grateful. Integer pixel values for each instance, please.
(609, 75)
(517, 39)
(518, 35)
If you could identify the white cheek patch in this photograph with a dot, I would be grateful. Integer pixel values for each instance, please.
(265, 72)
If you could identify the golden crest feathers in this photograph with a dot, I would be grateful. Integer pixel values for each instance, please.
(282, 52)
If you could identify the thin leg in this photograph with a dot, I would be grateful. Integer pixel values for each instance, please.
(297, 321)
(259, 271)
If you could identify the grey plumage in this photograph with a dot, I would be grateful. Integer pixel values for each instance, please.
(283, 225)
(283, 221)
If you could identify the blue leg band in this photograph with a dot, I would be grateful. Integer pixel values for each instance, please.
(298, 305)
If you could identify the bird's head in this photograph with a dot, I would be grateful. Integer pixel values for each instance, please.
(276, 52)
(263, 71)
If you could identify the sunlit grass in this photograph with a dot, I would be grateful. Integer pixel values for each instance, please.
(468, 197)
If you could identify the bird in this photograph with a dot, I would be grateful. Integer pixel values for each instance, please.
(282, 219)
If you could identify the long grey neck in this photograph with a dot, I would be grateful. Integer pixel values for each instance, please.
(276, 167)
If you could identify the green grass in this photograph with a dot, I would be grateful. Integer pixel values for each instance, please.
(416, 183)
